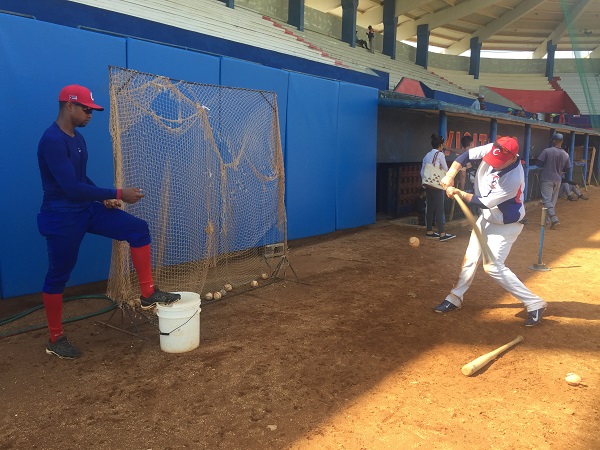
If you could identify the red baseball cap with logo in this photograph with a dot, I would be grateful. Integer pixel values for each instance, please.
(503, 150)
(78, 94)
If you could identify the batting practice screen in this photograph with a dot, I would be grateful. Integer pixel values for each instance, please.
(209, 160)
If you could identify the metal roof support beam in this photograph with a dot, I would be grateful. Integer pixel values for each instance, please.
(390, 22)
(560, 30)
(493, 27)
(422, 46)
(349, 8)
(375, 16)
(296, 13)
(404, 6)
(442, 17)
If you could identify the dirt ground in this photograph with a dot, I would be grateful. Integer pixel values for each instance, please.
(351, 357)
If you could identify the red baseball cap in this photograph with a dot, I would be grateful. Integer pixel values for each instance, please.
(78, 94)
(497, 157)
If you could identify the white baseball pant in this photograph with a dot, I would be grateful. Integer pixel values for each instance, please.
(500, 239)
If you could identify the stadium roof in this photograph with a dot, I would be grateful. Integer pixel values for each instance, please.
(508, 25)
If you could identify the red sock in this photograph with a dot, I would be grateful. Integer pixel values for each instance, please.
(140, 256)
(54, 304)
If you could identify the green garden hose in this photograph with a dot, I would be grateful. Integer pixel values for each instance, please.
(69, 320)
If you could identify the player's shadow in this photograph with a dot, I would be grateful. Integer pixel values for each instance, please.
(572, 310)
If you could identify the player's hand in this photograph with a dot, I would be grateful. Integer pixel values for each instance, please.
(447, 181)
(451, 191)
(131, 195)
(112, 203)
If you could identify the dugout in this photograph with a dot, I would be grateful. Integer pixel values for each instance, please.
(405, 125)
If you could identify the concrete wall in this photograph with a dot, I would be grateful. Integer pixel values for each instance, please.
(322, 23)
(277, 9)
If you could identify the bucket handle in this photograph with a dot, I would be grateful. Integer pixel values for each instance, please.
(173, 331)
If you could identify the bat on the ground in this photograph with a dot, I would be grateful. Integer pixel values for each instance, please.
(488, 257)
(472, 367)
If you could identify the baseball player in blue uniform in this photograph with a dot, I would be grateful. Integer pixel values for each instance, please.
(73, 206)
(498, 192)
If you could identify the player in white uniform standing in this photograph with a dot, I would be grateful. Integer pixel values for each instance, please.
(499, 184)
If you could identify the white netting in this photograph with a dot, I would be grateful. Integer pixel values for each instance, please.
(209, 160)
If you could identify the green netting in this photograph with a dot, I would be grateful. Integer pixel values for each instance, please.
(583, 44)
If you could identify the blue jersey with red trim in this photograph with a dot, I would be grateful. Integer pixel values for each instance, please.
(63, 164)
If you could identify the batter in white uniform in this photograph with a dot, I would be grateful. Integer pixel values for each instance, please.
(499, 185)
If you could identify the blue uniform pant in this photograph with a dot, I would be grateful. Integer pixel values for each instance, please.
(566, 189)
(64, 232)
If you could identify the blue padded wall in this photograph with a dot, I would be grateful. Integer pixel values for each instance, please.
(356, 156)
(243, 74)
(172, 62)
(310, 157)
(38, 59)
(329, 182)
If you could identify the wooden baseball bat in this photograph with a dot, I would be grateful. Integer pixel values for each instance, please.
(488, 257)
(472, 367)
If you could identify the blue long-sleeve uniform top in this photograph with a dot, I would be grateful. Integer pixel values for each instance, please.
(63, 161)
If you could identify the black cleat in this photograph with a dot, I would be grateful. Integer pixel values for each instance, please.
(63, 349)
(534, 317)
(158, 296)
(445, 307)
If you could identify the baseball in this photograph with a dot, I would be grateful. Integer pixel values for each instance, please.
(228, 287)
(414, 241)
(254, 283)
(573, 379)
(222, 292)
(217, 295)
(208, 296)
(264, 276)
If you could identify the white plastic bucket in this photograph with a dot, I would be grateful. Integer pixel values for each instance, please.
(179, 323)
